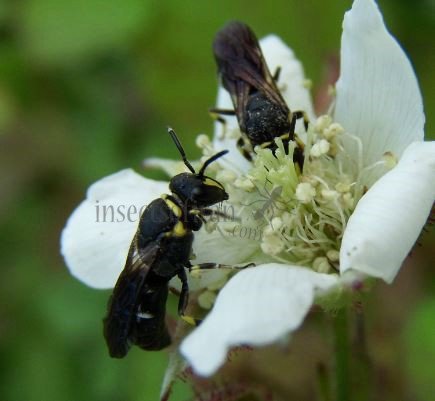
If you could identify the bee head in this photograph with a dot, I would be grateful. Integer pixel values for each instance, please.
(201, 191)
(196, 188)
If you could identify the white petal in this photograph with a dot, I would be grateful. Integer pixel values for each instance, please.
(94, 247)
(389, 217)
(292, 81)
(258, 306)
(169, 166)
(378, 98)
(220, 247)
(234, 160)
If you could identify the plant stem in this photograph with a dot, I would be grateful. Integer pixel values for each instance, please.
(342, 348)
(361, 362)
(324, 383)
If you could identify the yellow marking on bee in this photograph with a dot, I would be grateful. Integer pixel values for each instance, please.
(189, 319)
(175, 208)
(212, 183)
(299, 142)
(179, 230)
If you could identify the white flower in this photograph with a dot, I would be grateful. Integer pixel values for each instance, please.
(378, 109)
(352, 213)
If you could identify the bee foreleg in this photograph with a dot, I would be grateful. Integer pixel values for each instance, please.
(212, 212)
(221, 112)
(216, 114)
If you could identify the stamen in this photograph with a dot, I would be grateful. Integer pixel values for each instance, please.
(302, 215)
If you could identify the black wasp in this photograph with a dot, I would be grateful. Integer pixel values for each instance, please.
(261, 111)
(160, 250)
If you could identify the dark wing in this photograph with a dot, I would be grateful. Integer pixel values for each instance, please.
(242, 67)
(125, 298)
(149, 330)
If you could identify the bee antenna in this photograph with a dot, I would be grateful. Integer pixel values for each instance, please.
(180, 149)
(211, 160)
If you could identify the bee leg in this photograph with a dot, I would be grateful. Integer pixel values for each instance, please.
(276, 74)
(184, 299)
(218, 118)
(216, 114)
(184, 294)
(208, 266)
(241, 145)
(210, 212)
(298, 155)
(296, 116)
(221, 112)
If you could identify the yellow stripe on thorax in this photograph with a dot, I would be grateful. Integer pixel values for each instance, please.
(174, 207)
(179, 230)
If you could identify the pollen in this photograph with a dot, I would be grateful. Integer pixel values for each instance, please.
(321, 265)
(272, 243)
(320, 148)
(332, 131)
(202, 141)
(322, 122)
(329, 195)
(390, 159)
(305, 192)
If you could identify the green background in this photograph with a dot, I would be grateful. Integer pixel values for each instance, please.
(88, 88)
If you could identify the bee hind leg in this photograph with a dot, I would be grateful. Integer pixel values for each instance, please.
(184, 300)
(184, 294)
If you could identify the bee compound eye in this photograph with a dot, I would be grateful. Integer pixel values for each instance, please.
(196, 192)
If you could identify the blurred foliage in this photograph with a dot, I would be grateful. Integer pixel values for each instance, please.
(419, 339)
(61, 32)
(87, 88)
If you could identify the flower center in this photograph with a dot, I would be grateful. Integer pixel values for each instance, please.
(301, 215)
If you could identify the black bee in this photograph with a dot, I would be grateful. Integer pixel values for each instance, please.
(160, 250)
(261, 111)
